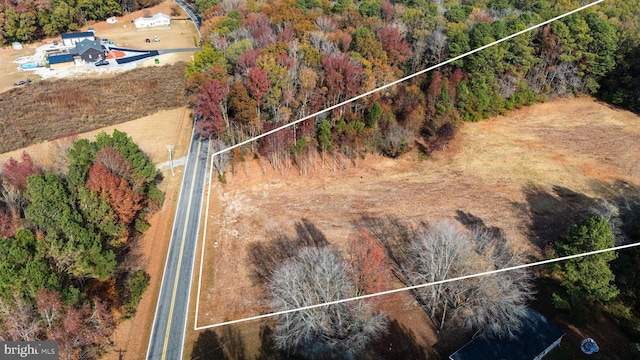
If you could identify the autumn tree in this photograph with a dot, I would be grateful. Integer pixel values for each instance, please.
(211, 108)
(317, 275)
(257, 84)
(343, 77)
(394, 44)
(123, 200)
(367, 259)
(14, 183)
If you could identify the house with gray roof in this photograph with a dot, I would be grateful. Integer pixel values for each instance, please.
(89, 50)
(536, 339)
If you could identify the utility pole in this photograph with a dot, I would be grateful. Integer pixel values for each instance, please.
(170, 148)
(121, 354)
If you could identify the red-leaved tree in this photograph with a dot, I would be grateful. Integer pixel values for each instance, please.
(211, 107)
(123, 200)
(372, 272)
(16, 172)
(343, 77)
(258, 84)
(395, 45)
(75, 329)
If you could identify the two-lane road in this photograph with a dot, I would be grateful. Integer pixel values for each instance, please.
(169, 324)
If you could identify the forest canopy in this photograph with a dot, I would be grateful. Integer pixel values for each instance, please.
(265, 64)
(67, 236)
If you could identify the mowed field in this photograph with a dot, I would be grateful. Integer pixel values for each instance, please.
(181, 34)
(528, 173)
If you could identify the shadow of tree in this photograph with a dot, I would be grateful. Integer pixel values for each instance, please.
(208, 346)
(268, 349)
(553, 212)
(265, 257)
(398, 343)
(224, 343)
(472, 222)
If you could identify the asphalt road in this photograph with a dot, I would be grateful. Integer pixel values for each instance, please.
(169, 324)
(193, 14)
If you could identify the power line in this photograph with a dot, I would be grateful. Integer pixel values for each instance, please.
(404, 79)
(393, 291)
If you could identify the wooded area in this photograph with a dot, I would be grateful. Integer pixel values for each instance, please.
(266, 64)
(68, 233)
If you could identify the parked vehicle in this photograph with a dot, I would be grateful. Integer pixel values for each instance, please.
(55, 43)
(156, 39)
(22, 82)
(147, 40)
(102, 62)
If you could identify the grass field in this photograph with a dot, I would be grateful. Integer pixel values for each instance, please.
(527, 173)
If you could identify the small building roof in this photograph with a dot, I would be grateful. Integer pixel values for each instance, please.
(75, 35)
(536, 336)
(59, 59)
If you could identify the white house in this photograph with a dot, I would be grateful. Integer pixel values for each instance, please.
(158, 19)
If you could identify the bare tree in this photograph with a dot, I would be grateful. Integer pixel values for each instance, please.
(317, 275)
(220, 161)
(18, 321)
(436, 47)
(492, 304)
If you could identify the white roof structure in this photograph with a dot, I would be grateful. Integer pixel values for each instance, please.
(158, 19)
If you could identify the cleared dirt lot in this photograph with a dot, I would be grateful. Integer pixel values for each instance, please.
(511, 172)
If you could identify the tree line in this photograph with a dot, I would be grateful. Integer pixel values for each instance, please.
(264, 64)
(68, 235)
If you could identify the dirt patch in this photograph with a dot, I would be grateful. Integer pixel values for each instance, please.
(575, 144)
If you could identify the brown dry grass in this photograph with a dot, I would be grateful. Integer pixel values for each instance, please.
(52, 109)
(486, 172)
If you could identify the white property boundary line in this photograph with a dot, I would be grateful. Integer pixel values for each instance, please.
(492, 272)
(197, 328)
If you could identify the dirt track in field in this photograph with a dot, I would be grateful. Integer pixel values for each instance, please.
(515, 172)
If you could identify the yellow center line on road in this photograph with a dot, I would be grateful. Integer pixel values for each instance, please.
(184, 236)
